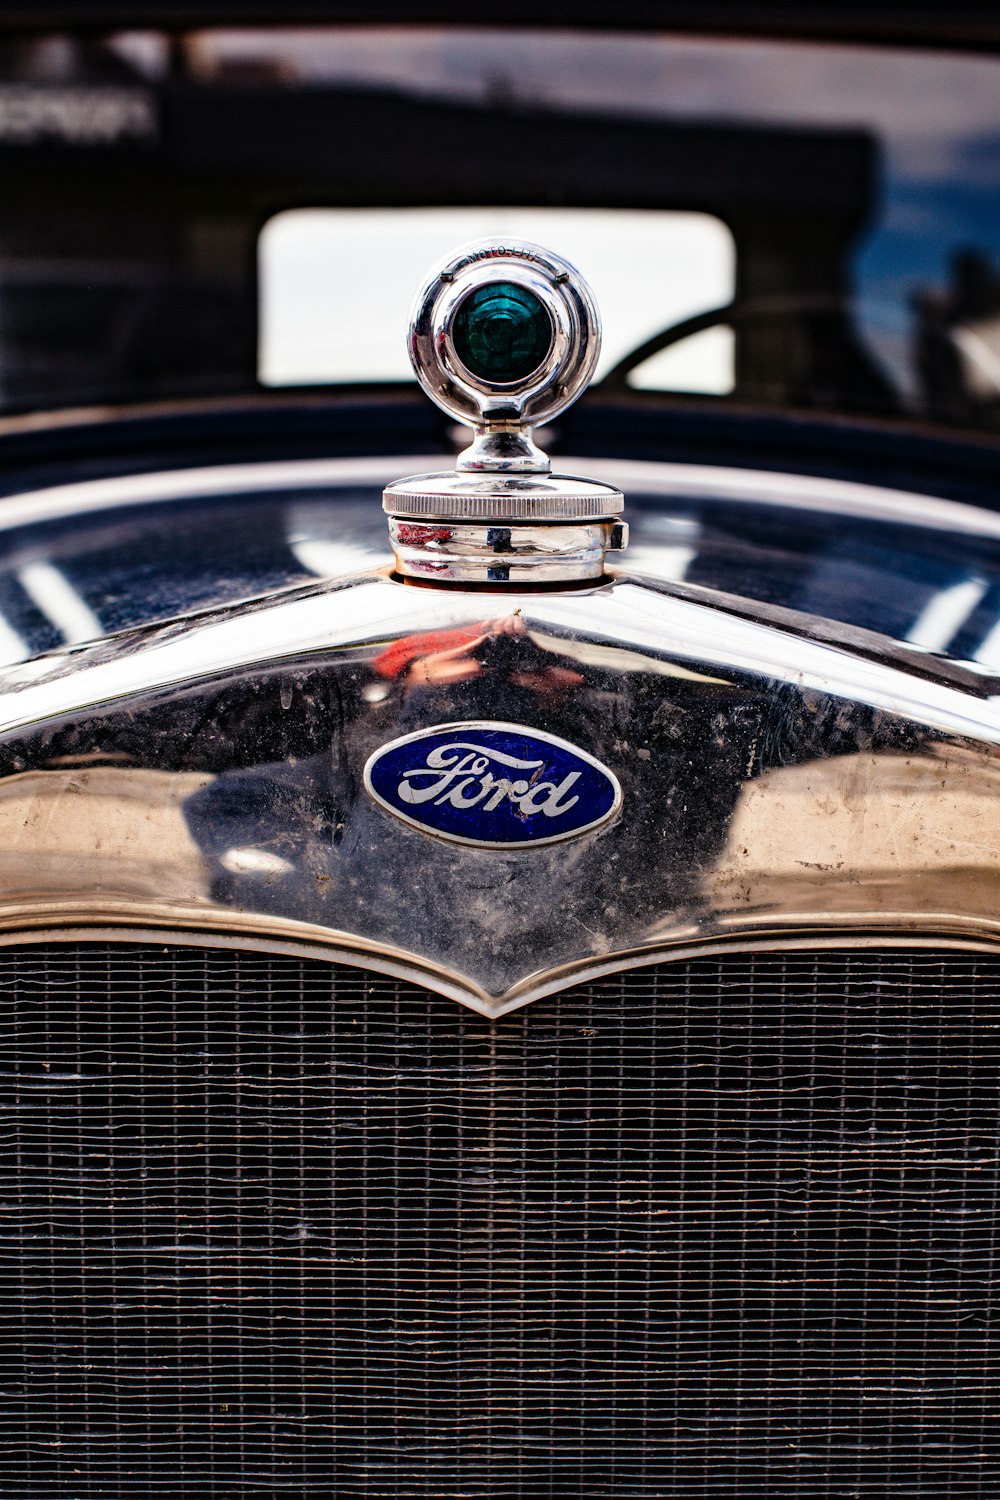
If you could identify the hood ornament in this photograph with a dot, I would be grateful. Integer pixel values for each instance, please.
(503, 337)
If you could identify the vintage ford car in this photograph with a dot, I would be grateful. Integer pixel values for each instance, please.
(501, 956)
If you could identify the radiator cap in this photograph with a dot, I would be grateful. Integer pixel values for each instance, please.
(503, 337)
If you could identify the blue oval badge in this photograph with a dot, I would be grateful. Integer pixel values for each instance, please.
(499, 786)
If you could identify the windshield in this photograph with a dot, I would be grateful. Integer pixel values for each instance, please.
(793, 226)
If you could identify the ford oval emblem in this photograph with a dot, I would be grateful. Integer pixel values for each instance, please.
(498, 786)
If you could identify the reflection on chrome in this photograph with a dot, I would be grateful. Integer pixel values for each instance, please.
(664, 546)
(334, 559)
(783, 776)
(227, 640)
(52, 593)
(988, 650)
(650, 618)
(255, 862)
(363, 612)
(12, 648)
(945, 614)
(786, 776)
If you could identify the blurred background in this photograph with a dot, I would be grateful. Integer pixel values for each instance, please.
(789, 224)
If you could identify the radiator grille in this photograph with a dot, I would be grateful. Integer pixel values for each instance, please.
(719, 1228)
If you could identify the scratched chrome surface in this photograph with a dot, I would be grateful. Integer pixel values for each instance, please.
(795, 682)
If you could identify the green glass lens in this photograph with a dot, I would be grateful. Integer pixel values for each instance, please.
(501, 332)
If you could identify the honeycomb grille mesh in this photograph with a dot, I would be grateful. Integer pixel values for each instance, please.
(717, 1228)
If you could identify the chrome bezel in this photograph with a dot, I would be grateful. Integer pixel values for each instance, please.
(552, 385)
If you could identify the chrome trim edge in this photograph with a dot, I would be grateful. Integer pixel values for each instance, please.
(329, 948)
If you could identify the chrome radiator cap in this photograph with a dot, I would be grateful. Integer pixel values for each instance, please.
(503, 337)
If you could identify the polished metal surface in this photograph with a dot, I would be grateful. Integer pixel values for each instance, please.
(787, 777)
(503, 553)
(503, 477)
(450, 496)
(803, 711)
